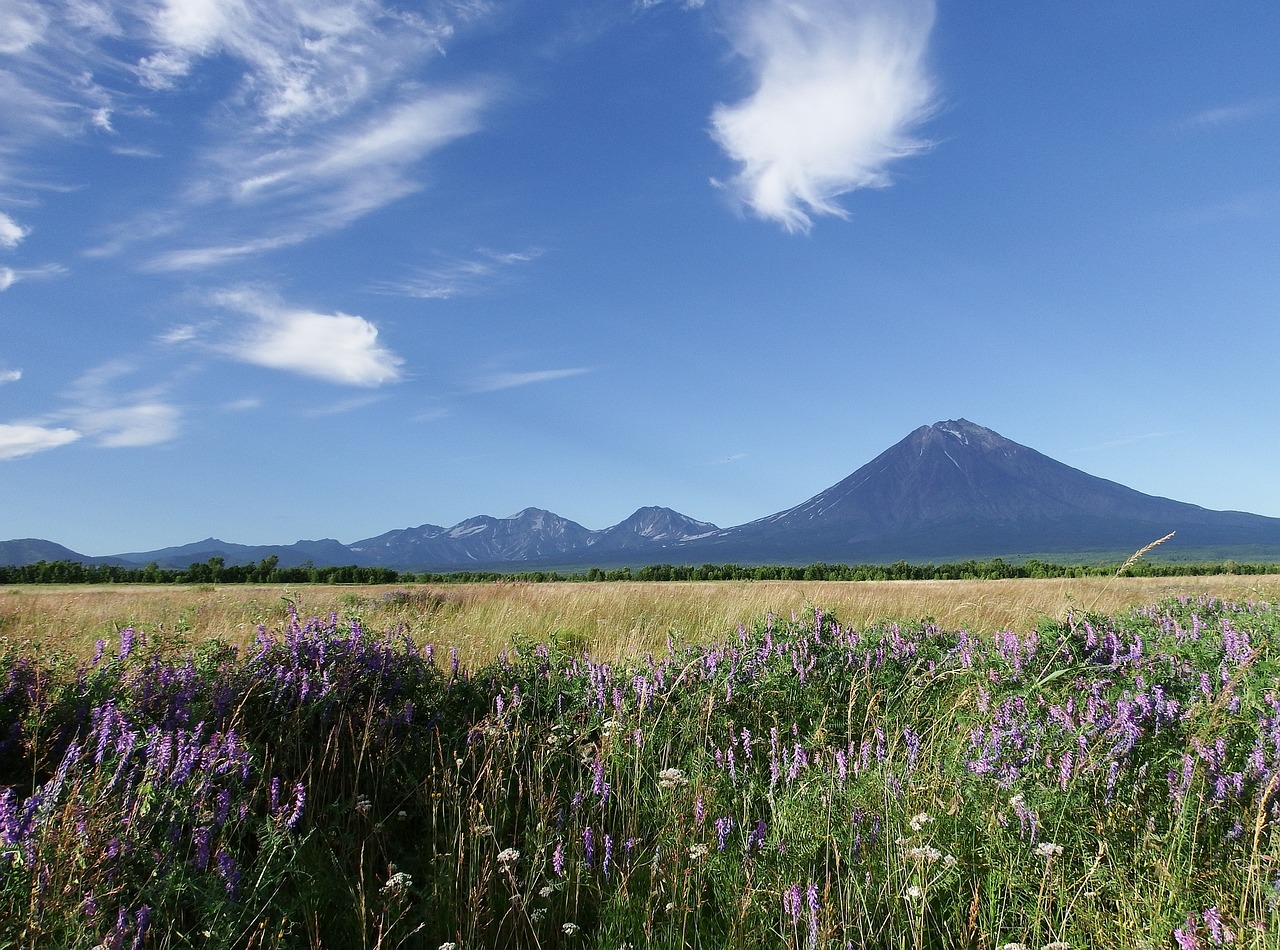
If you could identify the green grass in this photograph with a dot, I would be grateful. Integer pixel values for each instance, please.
(1106, 781)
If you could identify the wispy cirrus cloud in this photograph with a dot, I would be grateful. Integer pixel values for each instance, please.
(840, 88)
(116, 416)
(10, 276)
(458, 277)
(496, 381)
(18, 440)
(10, 375)
(1232, 114)
(328, 121)
(129, 426)
(323, 180)
(336, 347)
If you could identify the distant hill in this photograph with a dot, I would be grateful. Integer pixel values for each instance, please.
(947, 492)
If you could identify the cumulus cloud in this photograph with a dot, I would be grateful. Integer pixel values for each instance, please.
(18, 440)
(11, 233)
(336, 347)
(10, 375)
(496, 381)
(840, 87)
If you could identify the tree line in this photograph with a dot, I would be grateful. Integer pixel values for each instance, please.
(268, 571)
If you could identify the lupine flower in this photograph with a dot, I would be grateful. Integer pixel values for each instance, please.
(722, 827)
(1219, 932)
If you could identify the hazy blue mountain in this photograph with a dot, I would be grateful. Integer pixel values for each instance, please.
(33, 550)
(949, 491)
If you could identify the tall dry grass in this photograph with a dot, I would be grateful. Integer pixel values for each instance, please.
(612, 620)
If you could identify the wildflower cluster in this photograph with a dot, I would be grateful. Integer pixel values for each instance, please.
(801, 784)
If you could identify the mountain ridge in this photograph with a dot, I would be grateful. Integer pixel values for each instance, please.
(949, 491)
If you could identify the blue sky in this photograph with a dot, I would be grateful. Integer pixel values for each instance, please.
(312, 268)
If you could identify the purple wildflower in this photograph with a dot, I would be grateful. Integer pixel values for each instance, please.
(723, 827)
(229, 872)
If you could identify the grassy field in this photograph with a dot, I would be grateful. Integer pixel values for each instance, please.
(613, 620)
(1049, 766)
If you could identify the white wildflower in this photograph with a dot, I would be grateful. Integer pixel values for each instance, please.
(448, 945)
(672, 778)
(1014, 946)
(698, 851)
(545, 892)
(914, 892)
(363, 804)
(919, 821)
(1047, 849)
(608, 727)
(1057, 945)
(1017, 802)
(508, 856)
(397, 883)
(950, 860)
(569, 928)
(924, 853)
(671, 905)
(539, 913)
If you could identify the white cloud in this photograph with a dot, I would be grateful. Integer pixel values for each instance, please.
(9, 276)
(146, 423)
(247, 404)
(121, 420)
(337, 347)
(19, 440)
(324, 121)
(11, 233)
(22, 24)
(1232, 114)
(307, 187)
(458, 277)
(840, 85)
(498, 381)
(10, 375)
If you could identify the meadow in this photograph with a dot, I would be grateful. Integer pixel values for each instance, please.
(1038, 764)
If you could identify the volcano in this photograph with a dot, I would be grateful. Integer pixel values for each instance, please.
(954, 490)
